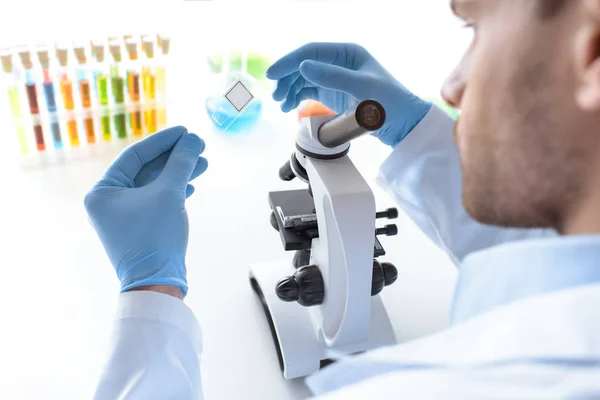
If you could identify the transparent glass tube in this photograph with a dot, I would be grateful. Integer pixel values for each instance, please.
(11, 84)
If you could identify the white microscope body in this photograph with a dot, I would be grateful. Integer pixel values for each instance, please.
(330, 304)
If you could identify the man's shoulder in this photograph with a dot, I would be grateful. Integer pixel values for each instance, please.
(539, 336)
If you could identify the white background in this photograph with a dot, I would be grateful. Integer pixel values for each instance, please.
(58, 289)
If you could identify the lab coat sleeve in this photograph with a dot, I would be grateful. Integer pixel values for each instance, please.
(423, 175)
(155, 350)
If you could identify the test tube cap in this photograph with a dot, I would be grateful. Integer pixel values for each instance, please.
(98, 49)
(148, 46)
(164, 44)
(115, 50)
(6, 59)
(25, 58)
(132, 48)
(44, 57)
(62, 53)
(79, 51)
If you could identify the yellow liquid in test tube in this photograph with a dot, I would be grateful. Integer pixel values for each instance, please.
(13, 97)
(160, 88)
(150, 113)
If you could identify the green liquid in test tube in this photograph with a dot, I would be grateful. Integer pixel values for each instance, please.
(102, 85)
(118, 86)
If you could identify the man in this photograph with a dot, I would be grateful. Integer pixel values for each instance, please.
(518, 211)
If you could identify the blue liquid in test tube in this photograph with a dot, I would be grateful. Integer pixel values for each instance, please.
(51, 105)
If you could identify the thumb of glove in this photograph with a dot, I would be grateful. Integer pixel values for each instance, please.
(333, 77)
(182, 161)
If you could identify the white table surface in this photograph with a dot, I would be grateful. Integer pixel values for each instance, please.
(59, 290)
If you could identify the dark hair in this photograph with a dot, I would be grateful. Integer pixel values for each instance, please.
(550, 8)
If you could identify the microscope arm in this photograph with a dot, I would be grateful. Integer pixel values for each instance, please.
(345, 208)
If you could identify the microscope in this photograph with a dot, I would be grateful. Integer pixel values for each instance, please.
(325, 302)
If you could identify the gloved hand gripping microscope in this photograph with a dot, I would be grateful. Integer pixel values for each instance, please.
(330, 303)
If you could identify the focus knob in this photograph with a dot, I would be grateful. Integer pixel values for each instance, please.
(384, 274)
(305, 286)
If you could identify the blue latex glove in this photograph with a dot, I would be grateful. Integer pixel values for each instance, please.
(138, 208)
(339, 75)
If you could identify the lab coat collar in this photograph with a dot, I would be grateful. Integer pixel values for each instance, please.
(506, 273)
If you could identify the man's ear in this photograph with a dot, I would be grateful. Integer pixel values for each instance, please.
(587, 56)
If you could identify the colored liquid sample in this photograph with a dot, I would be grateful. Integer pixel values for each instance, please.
(51, 105)
(149, 82)
(55, 129)
(86, 96)
(135, 120)
(133, 83)
(86, 102)
(118, 88)
(13, 98)
(22, 138)
(39, 137)
(32, 98)
(34, 108)
(150, 114)
(105, 126)
(49, 93)
(102, 89)
(135, 117)
(66, 88)
(72, 130)
(89, 130)
(226, 118)
(161, 114)
(102, 84)
(150, 120)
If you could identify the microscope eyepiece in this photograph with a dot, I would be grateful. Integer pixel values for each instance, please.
(367, 116)
(370, 115)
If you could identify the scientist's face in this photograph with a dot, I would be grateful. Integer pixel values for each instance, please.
(529, 93)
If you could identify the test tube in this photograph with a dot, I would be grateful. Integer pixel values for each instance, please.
(85, 91)
(49, 94)
(66, 89)
(11, 79)
(161, 90)
(148, 73)
(101, 87)
(133, 86)
(118, 91)
(32, 99)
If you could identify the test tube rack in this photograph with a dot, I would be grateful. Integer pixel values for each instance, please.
(75, 100)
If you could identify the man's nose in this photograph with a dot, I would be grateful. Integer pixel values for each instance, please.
(454, 88)
(455, 85)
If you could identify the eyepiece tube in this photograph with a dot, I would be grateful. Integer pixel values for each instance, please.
(367, 116)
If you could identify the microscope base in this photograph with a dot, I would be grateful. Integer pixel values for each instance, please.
(299, 348)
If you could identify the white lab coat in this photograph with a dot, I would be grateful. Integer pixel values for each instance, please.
(156, 349)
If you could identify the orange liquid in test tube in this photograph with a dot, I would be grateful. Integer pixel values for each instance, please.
(66, 88)
(86, 100)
